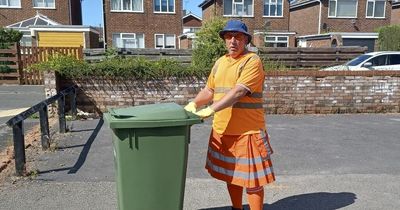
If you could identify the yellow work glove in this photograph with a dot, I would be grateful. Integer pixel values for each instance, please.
(206, 112)
(191, 107)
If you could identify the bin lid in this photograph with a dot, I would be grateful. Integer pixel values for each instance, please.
(152, 115)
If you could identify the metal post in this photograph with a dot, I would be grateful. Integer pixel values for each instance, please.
(44, 127)
(61, 114)
(19, 149)
(73, 103)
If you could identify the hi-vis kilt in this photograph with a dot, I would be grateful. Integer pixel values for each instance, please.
(242, 160)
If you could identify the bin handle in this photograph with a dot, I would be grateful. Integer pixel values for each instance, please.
(114, 114)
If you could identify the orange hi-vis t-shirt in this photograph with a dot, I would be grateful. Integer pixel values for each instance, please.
(247, 115)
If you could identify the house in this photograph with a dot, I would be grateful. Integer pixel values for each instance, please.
(142, 24)
(42, 31)
(395, 12)
(62, 11)
(267, 20)
(339, 22)
(191, 24)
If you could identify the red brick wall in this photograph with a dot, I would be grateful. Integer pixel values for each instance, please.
(212, 9)
(186, 43)
(304, 20)
(147, 22)
(255, 23)
(9, 16)
(395, 15)
(92, 40)
(319, 43)
(293, 92)
(362, 23)
(190, 21)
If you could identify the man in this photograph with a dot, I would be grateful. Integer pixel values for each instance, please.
(239, 150)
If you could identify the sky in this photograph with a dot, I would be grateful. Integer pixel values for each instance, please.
(93, 15)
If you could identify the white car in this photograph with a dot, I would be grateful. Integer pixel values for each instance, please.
(384, 60)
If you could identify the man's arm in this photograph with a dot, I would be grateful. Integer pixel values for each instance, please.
(204, 97)
(230, 98)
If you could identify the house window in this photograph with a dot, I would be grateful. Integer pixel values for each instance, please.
(276, 41)
(273, 8)
(10, 3)
(44, 3)
(343, 8)
(376, 8)
(165, 41)
(191, 29)
(238, 7)
(167, 6)
(128, 40)
(26, 39)
(127, 5)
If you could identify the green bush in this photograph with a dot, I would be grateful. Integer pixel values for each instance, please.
(8, 36)
(67, 66)
(209, 46)
(136, 67)
(389, 38)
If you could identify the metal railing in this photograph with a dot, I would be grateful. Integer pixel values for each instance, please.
(17, 123)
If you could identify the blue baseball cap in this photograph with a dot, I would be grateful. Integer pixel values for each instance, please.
(235, 26)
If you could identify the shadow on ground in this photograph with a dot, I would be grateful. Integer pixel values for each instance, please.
(83, 155)
(310, 201)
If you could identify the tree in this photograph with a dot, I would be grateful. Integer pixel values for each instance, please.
(389, 38)
(209, 46)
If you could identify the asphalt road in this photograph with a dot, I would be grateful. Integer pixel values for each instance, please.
(321, 162)
(13, 99)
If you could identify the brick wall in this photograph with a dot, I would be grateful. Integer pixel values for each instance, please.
(191, 21)
(257, 22)
(293, 92)
(146, 22)
(60, 14)
(362, 24)
(396, 15)
(297, 22)
(319, 43)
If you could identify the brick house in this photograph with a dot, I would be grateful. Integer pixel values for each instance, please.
(61, 11)
(395, 12)
(267, 20)
(191, 24)
(142, 24)
(339, 22)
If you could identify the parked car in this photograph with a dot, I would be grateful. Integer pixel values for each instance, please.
(384, 60)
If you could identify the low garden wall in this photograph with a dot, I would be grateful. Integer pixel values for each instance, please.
(291, 92)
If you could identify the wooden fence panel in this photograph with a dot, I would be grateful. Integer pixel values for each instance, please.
(310, 57)
(290, 57)
(32, 55)
(10, 65)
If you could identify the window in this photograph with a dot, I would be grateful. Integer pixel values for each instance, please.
(128, 40)
(127, 5)
(10, 3)
(165, 41)
(376, 8)
(394, 59)
(167, 6)
(379, 60)
(26, 39)
(191, 29)
(273, 8)
(343, 8)
(238, 7)
(276, 41)
(44, 3)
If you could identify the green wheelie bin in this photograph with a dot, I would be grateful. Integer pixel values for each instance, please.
(150, 145)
